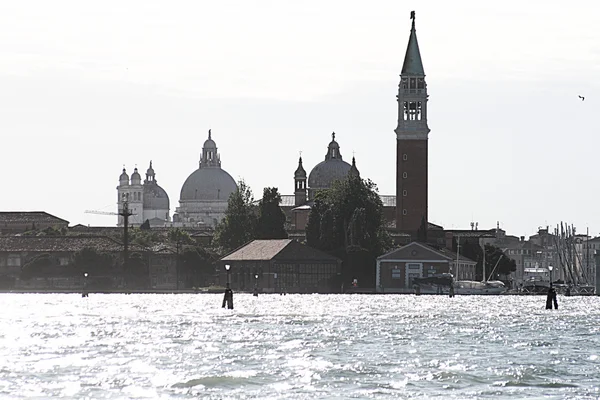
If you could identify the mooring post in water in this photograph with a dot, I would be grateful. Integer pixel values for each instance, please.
(228, 298)
(551, 299)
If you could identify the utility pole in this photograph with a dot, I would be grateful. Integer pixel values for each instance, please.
(125, 213)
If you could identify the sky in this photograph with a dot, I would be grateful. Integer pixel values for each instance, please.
(87, 87)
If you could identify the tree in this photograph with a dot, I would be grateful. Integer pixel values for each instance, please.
(239, 224)
(271, 219)
(93, 262)
(177, 235)
(347, 221)
(197, 266)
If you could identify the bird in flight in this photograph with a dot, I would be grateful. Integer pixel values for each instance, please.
(582, 98)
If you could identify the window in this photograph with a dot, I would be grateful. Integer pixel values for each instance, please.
(396, 274)
(404, 193)
(404, 175)
(405, 156)
(404, 212)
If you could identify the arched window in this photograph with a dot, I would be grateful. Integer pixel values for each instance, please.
(404, 175)
(404, 212)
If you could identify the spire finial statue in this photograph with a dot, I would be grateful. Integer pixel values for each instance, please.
(150, 164)
(333, 136)
(412, 16)
(209, 134)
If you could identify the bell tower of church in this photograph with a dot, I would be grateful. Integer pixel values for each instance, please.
(411, 136)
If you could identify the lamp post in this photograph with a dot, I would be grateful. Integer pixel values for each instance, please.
(550, 267)
(256, 285)
(228, 298)
(85, 292)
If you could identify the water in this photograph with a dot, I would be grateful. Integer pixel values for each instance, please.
(297, 347)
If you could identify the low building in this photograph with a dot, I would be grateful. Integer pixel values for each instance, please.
(48, 262)
(396, 270)
(280, 265)
(22, 221)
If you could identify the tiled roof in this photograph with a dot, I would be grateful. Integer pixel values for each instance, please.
(29, 217)
(263, 250)
(287, 200)
(57, 243)
(258, 250)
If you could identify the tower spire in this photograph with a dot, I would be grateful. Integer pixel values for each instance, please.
(412, 60)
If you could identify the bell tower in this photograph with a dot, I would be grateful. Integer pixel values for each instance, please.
(411, 136)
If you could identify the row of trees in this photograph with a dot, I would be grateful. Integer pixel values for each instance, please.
(346, 221)
(246, 220)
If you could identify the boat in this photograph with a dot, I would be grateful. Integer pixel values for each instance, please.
(476, 287)
(480, 288)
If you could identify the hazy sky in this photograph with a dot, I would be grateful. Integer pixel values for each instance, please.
(86, 87)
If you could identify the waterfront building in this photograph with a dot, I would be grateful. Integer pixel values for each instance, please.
(12, 222)
(282, 265)
(397, 269)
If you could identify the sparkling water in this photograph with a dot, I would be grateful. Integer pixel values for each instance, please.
(297, 347)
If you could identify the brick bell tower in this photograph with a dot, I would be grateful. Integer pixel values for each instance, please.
(412, 135)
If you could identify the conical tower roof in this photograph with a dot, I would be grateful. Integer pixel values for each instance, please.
(413, 65)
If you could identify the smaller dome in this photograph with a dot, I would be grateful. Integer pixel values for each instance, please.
(136, 179)
(150, 170)
(124, 176)
(209, 143)
(155, 197)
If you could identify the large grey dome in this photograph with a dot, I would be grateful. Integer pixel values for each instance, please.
(326, 172)
(332, 169)
(209, 183)
(155, 197)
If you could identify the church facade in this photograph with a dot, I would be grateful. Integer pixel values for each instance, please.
(147, 200)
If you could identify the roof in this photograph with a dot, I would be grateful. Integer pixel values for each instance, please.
(208, 184)
(412, 60)
(443, 253)
(264, 250)
(289, 200)
(57, 243)
(29, 217)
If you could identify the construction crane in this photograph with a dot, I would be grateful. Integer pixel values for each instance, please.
(125, 213)
(100, 212)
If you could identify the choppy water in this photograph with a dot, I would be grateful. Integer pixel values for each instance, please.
(297, 347)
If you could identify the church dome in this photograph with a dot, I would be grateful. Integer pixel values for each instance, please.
(326, 172)
(155, 197)
(332, 169)
(210, 183)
